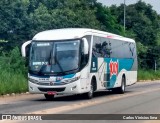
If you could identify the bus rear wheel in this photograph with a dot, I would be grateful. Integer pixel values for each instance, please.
(49, 97)
(121, 89)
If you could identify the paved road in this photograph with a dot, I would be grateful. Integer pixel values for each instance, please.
(141, 98)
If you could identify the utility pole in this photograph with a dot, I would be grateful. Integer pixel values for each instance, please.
(155, 65)
(124, 15)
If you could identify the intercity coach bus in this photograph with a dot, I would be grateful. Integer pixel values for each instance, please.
(80, 61)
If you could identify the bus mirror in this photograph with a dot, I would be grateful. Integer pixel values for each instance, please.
(23, 48)
(85, 46)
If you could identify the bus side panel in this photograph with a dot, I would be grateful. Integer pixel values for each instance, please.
(98, 68)
(131, 77)
(85, 81)
(111, 59)
(109, 71)
(116, 68)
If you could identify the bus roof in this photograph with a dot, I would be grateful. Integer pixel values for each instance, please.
(73, 33)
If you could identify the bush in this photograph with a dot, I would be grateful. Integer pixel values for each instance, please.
(13, 73)
(148, 74)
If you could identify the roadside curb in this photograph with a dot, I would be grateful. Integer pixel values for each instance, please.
(14, 94)
(149, 80)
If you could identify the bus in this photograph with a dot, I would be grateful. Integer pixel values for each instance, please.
(79, 61)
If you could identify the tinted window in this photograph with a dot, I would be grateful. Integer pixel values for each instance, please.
(101, 47)
(106, 47)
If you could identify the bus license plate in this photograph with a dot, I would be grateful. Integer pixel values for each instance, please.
(51, 92)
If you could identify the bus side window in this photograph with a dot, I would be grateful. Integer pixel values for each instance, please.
(101, 47)
(132, 49)
(96, 47)
(106, 49)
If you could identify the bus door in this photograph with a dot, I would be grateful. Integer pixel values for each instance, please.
(102, 71)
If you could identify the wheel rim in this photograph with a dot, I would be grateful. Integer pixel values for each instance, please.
(123, 86)
(91, 91)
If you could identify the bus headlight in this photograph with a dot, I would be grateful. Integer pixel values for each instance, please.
(33, 80)
(71, 80)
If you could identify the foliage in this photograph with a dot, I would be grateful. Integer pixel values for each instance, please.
(142, 24)
(144, 74)
(12, 83)
(12, 72)
(20, 20)
(108, 22)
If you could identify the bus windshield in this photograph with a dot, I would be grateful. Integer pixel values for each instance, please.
(54, 57)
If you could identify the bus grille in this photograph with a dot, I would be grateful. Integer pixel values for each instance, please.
(54, 84)
(51, 89)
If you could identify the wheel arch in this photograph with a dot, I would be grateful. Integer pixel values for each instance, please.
(94, 82)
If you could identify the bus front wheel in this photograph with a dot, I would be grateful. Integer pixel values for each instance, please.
(89, 95)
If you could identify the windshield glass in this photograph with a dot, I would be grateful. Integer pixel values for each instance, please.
(54, 57)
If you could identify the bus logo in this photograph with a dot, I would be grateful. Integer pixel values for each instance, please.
(51, 83)
(113, 66)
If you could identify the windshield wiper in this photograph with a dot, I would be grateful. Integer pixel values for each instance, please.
(44, 65)
(56, 61)
(42, 68)
(68, 71)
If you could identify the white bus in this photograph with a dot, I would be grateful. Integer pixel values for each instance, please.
(80, 61)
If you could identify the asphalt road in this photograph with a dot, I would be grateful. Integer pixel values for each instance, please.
(141, 98)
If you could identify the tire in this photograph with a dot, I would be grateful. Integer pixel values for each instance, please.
(120, 90)
(49, 97)
(89, 95)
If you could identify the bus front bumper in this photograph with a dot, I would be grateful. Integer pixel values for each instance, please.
(70, 88)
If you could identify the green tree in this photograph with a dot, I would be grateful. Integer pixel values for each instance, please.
(107, 20)
(13, 20)
(142, 24)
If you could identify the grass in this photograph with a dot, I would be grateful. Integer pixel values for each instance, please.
(13, 72)
(12, 83)
(148, 74)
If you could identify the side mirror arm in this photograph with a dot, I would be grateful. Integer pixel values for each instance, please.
(86, 46)
(23, 48)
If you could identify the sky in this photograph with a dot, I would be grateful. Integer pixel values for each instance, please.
(154, 3)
